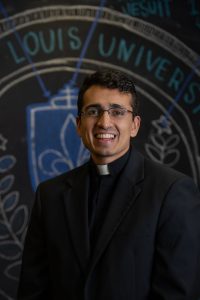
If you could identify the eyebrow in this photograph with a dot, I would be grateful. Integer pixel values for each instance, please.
(112, 105)
(93, 105)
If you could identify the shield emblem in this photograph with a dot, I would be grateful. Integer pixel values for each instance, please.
(53, 144)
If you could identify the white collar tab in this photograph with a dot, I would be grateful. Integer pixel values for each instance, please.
(103, 169)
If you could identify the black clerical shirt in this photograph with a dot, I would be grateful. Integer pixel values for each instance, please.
(100, 194)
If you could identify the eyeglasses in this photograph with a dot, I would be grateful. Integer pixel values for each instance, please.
(114, 112)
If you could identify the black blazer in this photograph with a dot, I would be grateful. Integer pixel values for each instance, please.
(148, 247)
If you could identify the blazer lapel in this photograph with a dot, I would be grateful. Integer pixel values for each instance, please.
(122, 201)
(76, 204)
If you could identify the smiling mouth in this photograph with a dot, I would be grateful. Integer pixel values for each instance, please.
(109, 136)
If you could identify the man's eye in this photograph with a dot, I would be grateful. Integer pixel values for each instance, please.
(117, 112)
(92, 112)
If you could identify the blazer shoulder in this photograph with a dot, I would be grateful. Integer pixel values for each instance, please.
(161, 173)
(62, 179)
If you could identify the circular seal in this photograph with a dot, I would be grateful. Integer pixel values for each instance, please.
(46, 52)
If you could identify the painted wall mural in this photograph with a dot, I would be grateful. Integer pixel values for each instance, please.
(46, 49)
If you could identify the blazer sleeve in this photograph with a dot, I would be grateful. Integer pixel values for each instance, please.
(176, 272)
(34, 281)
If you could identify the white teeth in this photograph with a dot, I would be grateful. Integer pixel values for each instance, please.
(105, 136)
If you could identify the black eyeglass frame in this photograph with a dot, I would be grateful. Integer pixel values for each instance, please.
(101, 111)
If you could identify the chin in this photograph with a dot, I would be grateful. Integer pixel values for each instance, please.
(103, 154)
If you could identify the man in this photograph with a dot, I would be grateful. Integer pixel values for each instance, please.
(120, 227)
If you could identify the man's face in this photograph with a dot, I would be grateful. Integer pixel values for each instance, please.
(107, 137)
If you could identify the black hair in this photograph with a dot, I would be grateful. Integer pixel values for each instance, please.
(110, 79)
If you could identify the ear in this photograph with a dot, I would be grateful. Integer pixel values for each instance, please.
(78, 125)
(135, 126)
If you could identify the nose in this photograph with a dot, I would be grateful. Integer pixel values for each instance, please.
(104, 120)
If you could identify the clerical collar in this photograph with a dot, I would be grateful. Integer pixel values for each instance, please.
(112, 168)
(103, 169)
